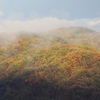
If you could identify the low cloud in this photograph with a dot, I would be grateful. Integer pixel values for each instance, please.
(11, 27)
(44, 24)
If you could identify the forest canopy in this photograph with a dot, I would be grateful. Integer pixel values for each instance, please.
(61, 64)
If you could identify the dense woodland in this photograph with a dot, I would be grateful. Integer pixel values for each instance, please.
(61, 64)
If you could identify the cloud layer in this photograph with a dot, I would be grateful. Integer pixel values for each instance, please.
(17, 23)
(11, 27)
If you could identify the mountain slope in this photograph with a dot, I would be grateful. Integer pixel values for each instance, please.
(50, 67)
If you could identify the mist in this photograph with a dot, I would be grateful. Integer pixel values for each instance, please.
(14, 25)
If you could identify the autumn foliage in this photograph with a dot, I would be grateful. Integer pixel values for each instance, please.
(32, 68)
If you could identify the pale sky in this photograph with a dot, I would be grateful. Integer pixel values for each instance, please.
(42, 15)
